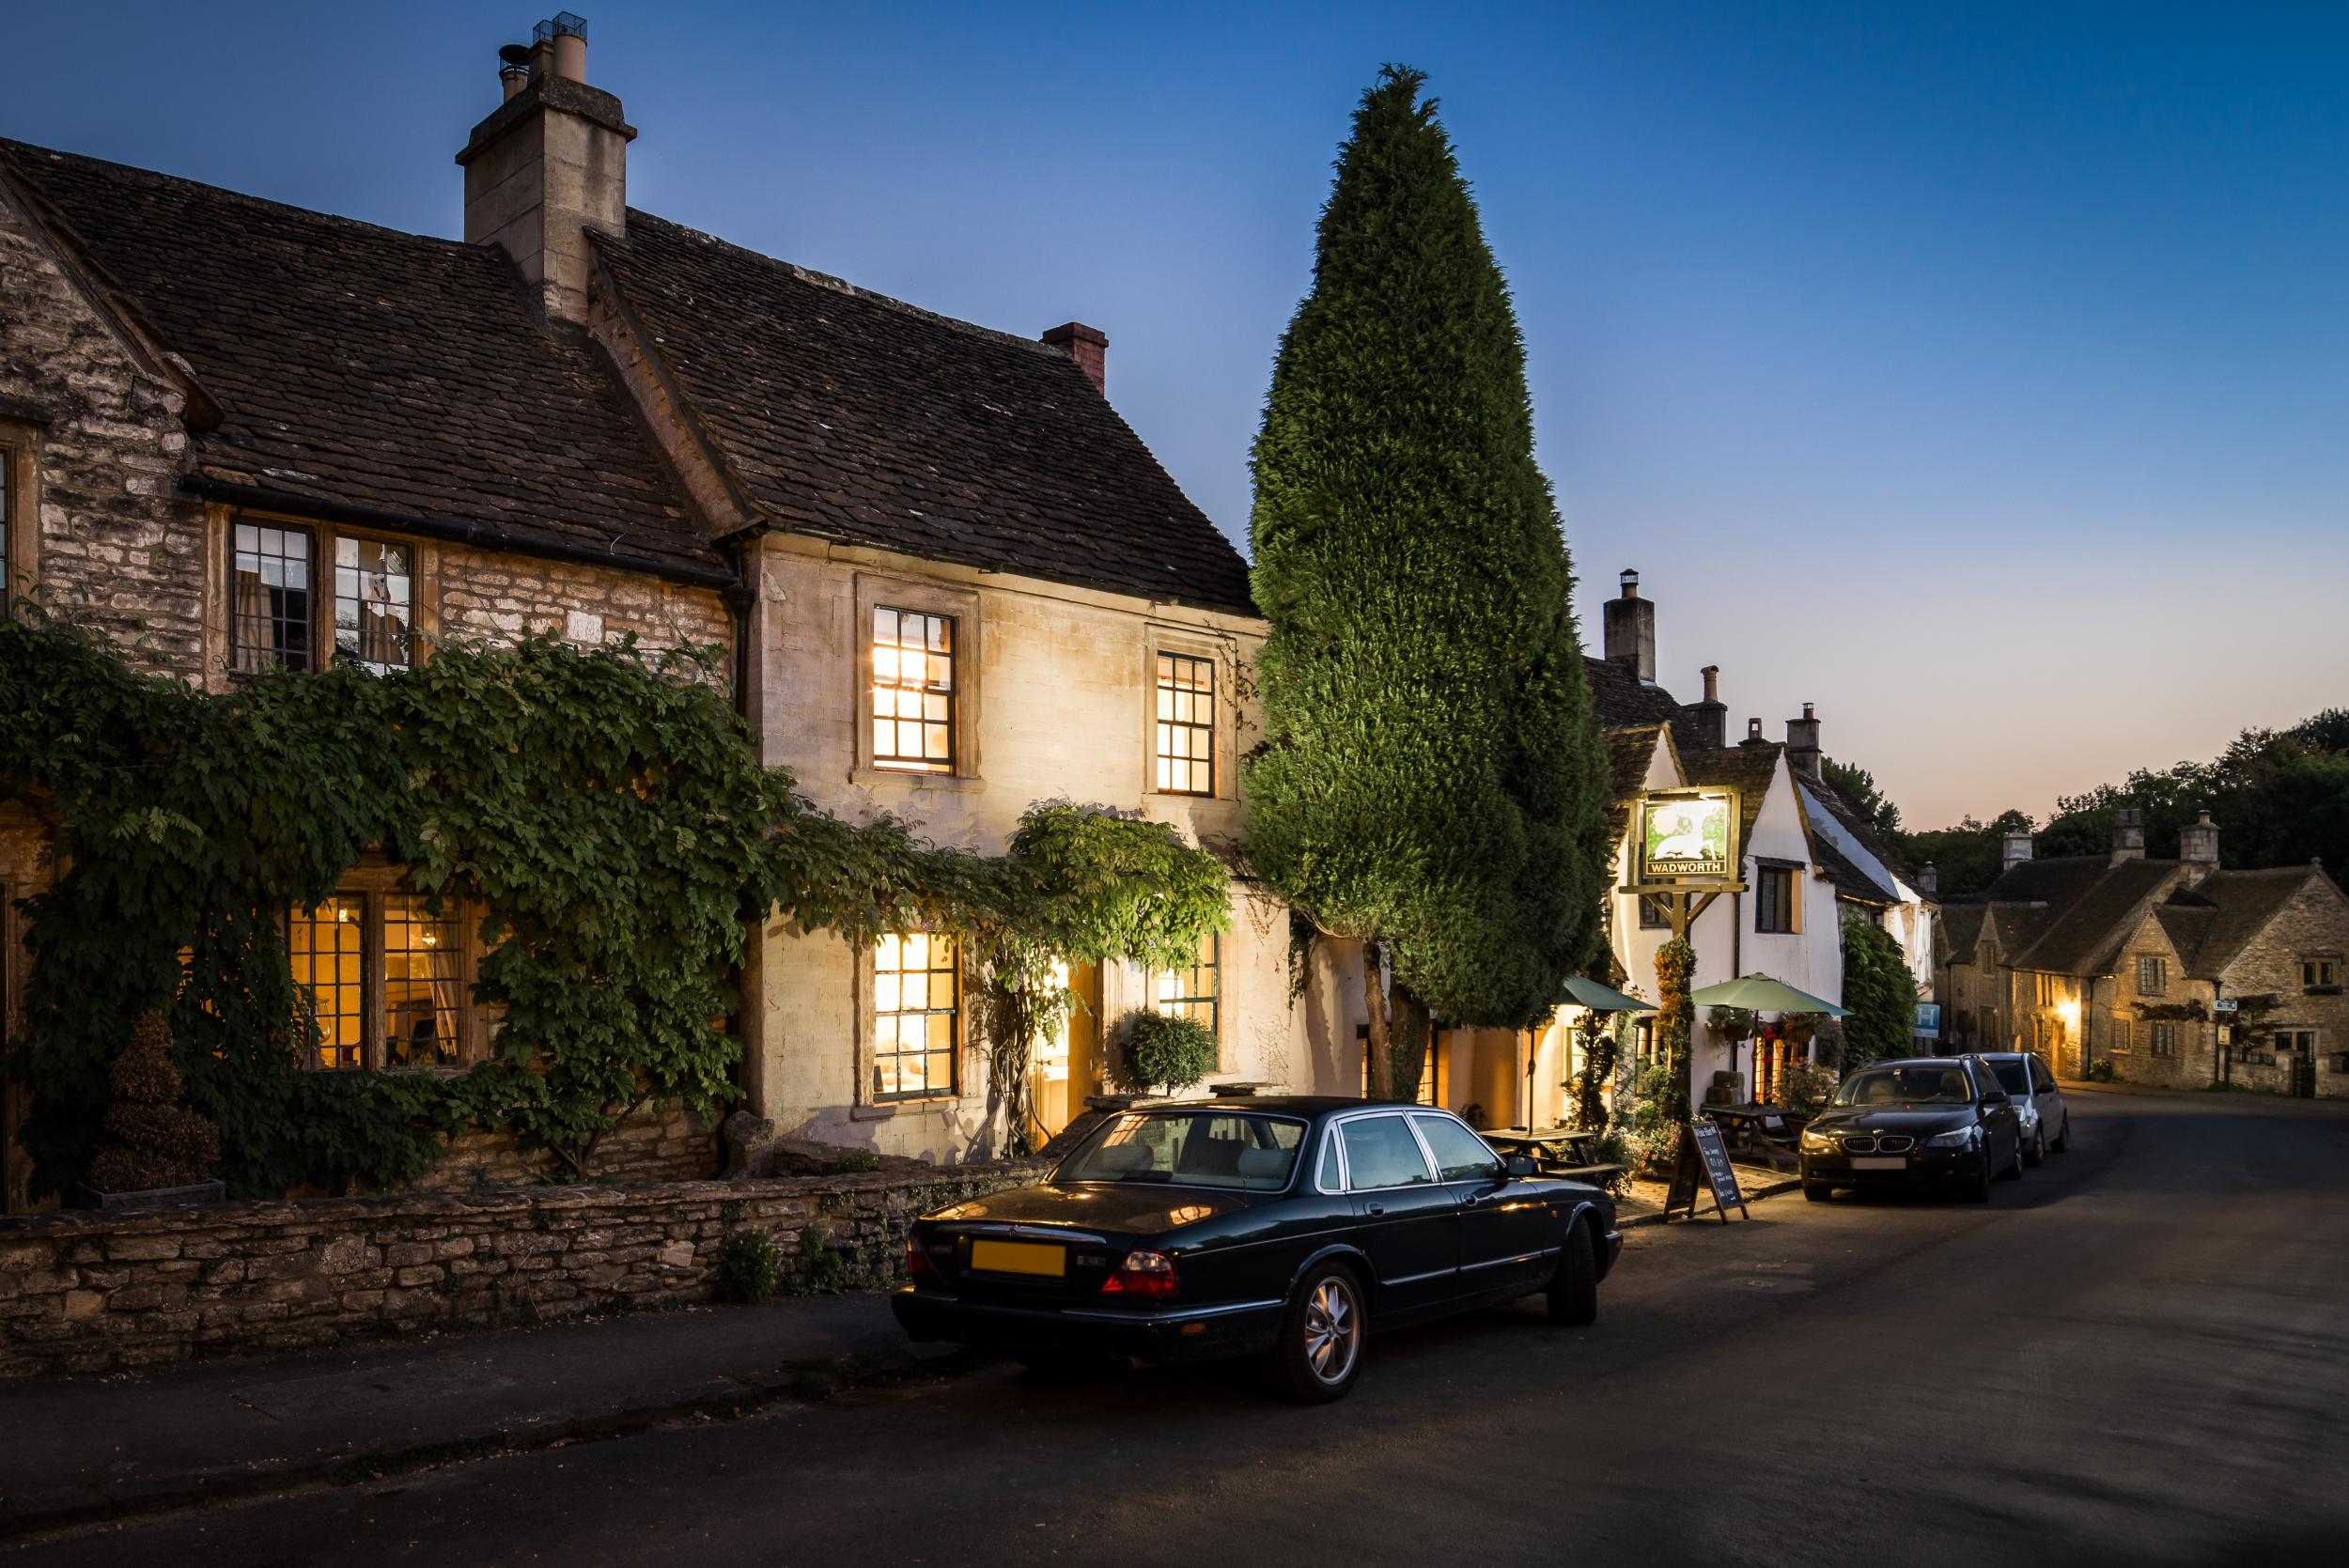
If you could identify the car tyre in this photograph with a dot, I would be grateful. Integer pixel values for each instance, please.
(2015, 1173)
(1573, 1292)
(1978, 1186)
(1319, 1353)
(2062, 1143)
(2037, 1153)
(1818, 1192)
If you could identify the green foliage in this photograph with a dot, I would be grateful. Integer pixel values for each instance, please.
(823, 1270)
(1601, 1049)
(748, 1267)
(607, 810)
(1731, 1023)
(1675, 963)
(1804, 1089)
(1161, 1050)
(1659, 1111)
(1859, 786)
(1968, 858)
(1431, 778)
(1881, 990)
(2101, 1070)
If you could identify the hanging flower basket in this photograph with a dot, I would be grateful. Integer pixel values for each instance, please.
(1732, 1023)
(1798, 1029)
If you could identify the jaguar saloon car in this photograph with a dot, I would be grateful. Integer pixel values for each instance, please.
(1934, 1120)
(1281, 1228)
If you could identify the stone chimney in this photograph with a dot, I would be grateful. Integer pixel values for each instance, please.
(1710, 720)
(2017, 848)
(548, 165)
(1089, 346)
(2198, 846)
(1802, 743)
(2128, 835)
(1929, 879)
(1630, 630)
(1753, 734)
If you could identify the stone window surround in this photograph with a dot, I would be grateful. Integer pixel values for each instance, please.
(1186, 1006)
(221, 575)
(2156, 967)
(1191, 642)
(888, 591)
(862, 1104)
(19, 442)
(476, 1026)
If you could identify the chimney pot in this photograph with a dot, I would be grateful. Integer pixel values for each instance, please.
(1630, 581)
(1802, 743)
(1089, 346)
(1710, 720)
(566, 33)
(1753, 734)
(1712, 673)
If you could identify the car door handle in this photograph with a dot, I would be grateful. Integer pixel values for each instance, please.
(1378, 1208)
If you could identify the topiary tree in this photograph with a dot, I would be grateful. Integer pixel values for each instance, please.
(1881, 991)
(1431, 781)
(1163, 1050)
(152, 1139)
(1675, 962)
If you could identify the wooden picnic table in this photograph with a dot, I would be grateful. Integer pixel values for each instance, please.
(1748, 1127)
(1559, 1151)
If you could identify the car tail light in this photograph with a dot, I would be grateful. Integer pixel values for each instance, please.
(918, 1265)
(1143, 1273)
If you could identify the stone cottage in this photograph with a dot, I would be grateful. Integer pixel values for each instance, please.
(2182, 972)
(946, 579)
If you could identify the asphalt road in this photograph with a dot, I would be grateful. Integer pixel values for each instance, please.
(2137, 1354)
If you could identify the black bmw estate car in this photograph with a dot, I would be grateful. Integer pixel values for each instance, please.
(1935, 1120)
(1284, 1228)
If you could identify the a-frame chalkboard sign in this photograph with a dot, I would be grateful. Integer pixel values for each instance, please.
(1702, 1151)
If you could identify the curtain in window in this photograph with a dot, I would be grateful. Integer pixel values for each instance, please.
(423, 983)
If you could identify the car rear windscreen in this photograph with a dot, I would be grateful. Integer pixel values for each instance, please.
(1189, 1148)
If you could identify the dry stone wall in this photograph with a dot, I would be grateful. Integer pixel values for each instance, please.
(86, 1292)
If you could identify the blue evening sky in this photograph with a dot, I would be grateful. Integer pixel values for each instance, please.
(1979, 372)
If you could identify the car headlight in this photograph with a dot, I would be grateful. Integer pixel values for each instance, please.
(1818, 1143)
(1962, 1137)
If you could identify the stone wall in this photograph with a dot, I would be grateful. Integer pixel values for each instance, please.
(499, 597)
(117, 546)
(86, 1292)
(660, 1143)
(2313, 925)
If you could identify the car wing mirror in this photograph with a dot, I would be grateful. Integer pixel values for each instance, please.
(1520, 1165)
(1995, 1098)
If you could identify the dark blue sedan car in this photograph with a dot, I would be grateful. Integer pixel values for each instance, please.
(1282, 1228)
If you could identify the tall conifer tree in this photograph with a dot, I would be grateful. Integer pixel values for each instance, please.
(1431, 781)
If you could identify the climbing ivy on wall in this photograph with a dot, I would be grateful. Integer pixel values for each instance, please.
(604, 808)
(1675, 962)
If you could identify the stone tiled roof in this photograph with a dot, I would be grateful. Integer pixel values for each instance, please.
(2212, 922)
(1961, 929)
(1629, 754)
(1842, 807)
(1850, 881)
(1622, 701)
(2089, 905)
(848, 416)
(365, 368)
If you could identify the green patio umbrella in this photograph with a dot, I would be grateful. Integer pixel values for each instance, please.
(1580, 992)
(1759, 993)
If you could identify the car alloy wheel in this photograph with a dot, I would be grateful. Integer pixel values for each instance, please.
(1319, 1353)
(2037, 1153)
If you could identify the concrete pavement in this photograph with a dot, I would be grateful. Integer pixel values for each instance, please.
(2132, 1356)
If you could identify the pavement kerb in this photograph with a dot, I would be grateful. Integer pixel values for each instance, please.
(36, 1516)
(1754, 1181)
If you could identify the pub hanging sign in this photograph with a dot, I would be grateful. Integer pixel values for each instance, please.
(1687, 838)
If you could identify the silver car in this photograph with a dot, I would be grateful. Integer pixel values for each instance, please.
(2032, 1088)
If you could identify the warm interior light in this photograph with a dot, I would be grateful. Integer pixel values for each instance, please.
(2070, 1013)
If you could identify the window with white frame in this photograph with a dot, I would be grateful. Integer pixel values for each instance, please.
(914, 690)
(917, 1004)
(1184, 728)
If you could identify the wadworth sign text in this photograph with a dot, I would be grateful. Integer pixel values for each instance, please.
(1687, 838)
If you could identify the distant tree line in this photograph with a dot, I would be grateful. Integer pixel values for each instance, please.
(2281, 797)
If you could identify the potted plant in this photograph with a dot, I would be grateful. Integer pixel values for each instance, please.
(1733, 1024)
(157, 1151)
(1798, 1028)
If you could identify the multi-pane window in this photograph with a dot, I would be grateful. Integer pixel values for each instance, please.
(2120, 1034)
(1435, 1085)
(384, 976)
(2162, 1039)
(1185, 725)
(1774, 899)
(916, 997)
(270, 612)
(2318, 971)
(374, 601)
(2153, 975)
(423, 984)
(914, 690)
(1653, 915)
(2299, 1042)
(1191, 991)
(328, 946)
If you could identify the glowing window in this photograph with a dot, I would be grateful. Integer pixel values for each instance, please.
(916, 1001)
(913, 691)
(1185, 725)
(328, 946)
(423, 985)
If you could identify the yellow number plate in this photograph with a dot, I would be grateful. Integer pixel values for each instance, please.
(1020, 1257)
